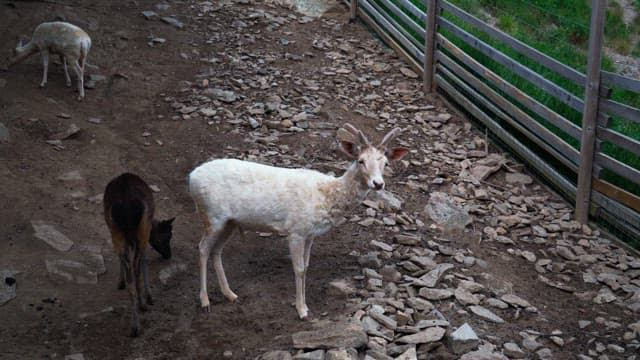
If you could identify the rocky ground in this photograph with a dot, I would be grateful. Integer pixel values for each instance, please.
(467, 256)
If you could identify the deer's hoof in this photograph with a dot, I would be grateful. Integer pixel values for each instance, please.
(206, 309)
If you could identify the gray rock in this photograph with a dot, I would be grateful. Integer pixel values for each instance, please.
(51, 236)
(463, 339)
(219, 94)
(97, 77)
(605, 295)
(390, 273)
(584, 323)
(616, 348)
(515, 300)
(173, 22)
(73, 175)
(429, 335)
(465, 297)
(419, 304)
(163, 6)
(409, 240)
(275, 355)
(388, 322)
(331, 335)
(389, 200)
(7, 285)
(544, 354)
(443, 210)
(150, 15)
(471, 286)
(518, 178)
(530, 343)
(4, 133)
(170, 271)
(342, 354)
(341, 288)
(71, 270)
(483, 354)
(410, 354)
(370, 260)
(432, 278)
(435, 294)
(497, 303)
(313, 355)
(512, 350)
(486, 314)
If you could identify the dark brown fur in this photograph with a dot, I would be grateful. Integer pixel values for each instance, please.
(128, 211)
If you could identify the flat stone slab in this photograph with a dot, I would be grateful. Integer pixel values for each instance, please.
(331, 335)
(71, 270)
(435, 294)
(486, 314)
(463, 339)
(51, 235)
(431, 278)
(170, 271)
(515, 300)
(7, 285)
(432, 334)
(173, 22)
(410, 354)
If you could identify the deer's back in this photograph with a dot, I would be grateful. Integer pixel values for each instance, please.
(62, 38)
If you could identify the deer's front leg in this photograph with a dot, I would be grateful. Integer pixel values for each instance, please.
(297, 249)
(45, 65)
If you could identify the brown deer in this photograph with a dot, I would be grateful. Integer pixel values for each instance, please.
(128, 211)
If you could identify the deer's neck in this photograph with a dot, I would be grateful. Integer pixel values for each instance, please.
(23, 52)
(345, 192)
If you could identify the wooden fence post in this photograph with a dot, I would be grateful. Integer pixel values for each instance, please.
(430, 45)
(353, 6)
(590, 113)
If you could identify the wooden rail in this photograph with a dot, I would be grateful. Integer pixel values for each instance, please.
(434, 41)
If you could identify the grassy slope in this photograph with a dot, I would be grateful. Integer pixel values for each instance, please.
(560, 28)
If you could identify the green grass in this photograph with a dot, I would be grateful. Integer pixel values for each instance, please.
(560, 29)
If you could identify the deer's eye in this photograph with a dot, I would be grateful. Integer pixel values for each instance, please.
(361, 162)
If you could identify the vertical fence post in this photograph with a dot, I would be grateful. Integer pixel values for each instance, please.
(590, 113)
(430, 45)
(353, 7)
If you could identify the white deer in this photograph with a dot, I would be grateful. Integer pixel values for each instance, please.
(303, 204)
(68, 41)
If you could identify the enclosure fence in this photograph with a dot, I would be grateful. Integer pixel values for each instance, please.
(431, 41)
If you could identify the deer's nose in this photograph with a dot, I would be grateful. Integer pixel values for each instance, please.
(378, 184)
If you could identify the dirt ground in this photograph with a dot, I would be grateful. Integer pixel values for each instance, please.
(51, 318)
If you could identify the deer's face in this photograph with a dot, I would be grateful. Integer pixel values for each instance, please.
(161, 237)
(371, 159)
(371, 163)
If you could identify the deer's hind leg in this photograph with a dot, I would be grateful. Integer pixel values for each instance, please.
(67, 78)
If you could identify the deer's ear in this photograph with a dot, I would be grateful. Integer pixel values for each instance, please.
(348, 148)
(396, 153)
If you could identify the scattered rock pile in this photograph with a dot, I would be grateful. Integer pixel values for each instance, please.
(420, 293)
